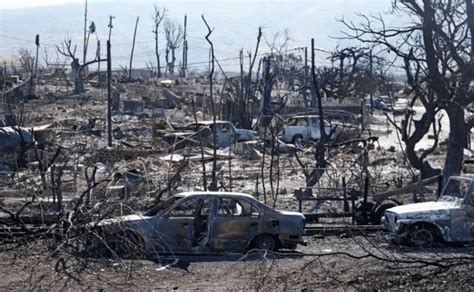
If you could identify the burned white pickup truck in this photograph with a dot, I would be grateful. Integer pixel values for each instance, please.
(450, 219)
(303, 128)
(226, 134)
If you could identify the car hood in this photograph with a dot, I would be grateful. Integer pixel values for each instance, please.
(424, 208)
(246, 131)
(123, 219)
(291, 213)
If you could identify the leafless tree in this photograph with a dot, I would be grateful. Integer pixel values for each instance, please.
(437, 48)
(157, 17)
(213, 185)
(26, 60)
(241, 92)
(174, 37)
(67, 50)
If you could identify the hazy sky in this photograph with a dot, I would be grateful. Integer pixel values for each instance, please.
(9, 4)
(236, 24)
(14, 4)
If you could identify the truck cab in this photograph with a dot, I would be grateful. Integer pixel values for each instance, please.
(450, 219)
(304, 127)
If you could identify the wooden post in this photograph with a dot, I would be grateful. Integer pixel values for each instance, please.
(133, 48)
(184, 67)
(98, 63)
(109, 95)
(85, 35)
(306, 62)
(366, 193)
(344, 194)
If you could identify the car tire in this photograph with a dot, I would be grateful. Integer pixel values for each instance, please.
(379, 211)
(360, 208)
(127, 244)
(265, 242)
(422, 236)
(298, 141)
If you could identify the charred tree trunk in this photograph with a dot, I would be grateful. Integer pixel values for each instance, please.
(157, 54)
(133, 48)
(213, 186)
(76, 77)
(173, 60)
(457, 141)
(265, 114)
(314, 176)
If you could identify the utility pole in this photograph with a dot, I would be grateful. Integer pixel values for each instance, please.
(371, 80)
(109, 95)
(109, 86)
(98, 53)
(185, 49)
(110, 26)
(34, 74)
(133, 48)
(85, 35)
(306, 62)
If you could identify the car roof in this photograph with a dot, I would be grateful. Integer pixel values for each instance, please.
(217, 194)
(471, 178)
(304, 116)
(210, 122)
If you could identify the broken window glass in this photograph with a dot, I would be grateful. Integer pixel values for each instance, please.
(162, 206)
(302, 122)
(456, 190)
(231, 207)
(228, 207)
(185, 209)
(249, 209)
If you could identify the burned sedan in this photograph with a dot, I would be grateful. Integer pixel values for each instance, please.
(199, 222)
(450, 219)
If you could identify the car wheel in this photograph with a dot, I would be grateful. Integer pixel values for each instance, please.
(379, 211)
(362, 208)
(265, 242)
(422, 236)
(298, 141)
(127, 244)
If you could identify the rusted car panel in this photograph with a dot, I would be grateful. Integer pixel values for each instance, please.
(212, 222)
(450, 219)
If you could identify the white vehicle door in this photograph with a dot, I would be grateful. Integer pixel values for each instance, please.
(227, 135)
(462, 219)
(315, 132)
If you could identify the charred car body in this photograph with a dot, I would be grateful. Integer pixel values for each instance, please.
(304, 127)
(198, 222)
(450, 219)
(226, 134)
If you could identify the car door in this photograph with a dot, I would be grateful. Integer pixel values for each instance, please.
(314, 128)
(175, 229)
(236, 222)
(462, 218)
(468, 211)
(227, 135)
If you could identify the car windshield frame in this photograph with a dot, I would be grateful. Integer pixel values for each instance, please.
(162, 206)
(448, 194)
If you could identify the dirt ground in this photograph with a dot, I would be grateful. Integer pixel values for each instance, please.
(365, 262)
